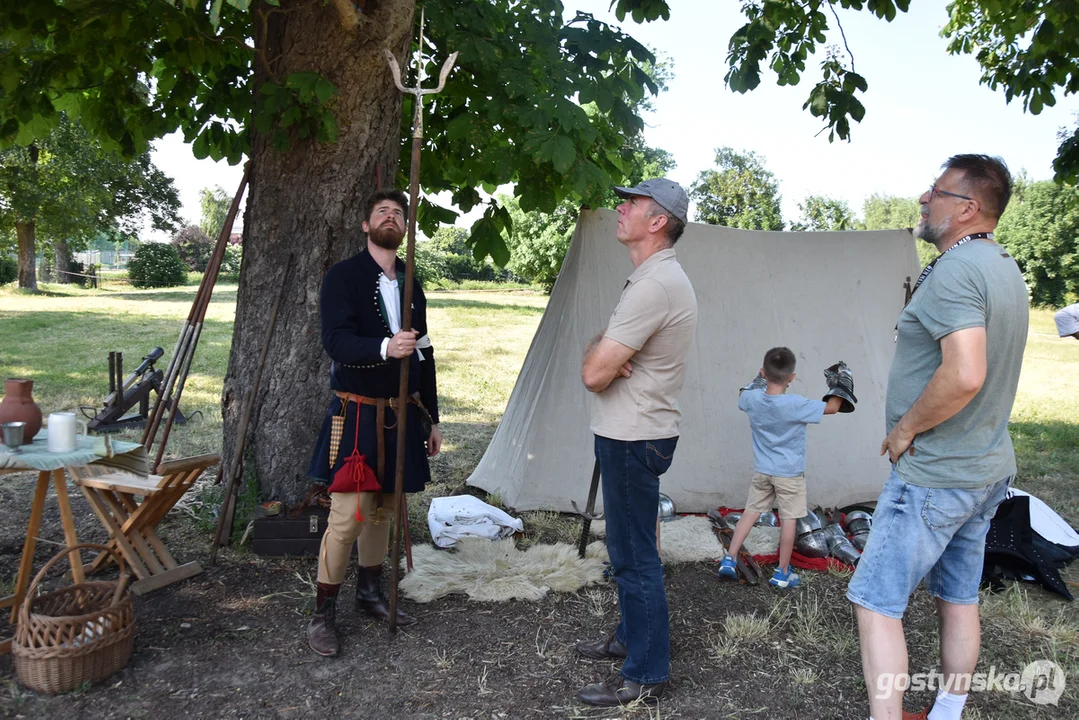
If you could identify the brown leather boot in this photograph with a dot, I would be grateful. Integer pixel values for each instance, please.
(370, 599)
(321, 631)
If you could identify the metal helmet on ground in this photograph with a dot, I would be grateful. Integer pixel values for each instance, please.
(767, 519)
(666, 508)
(807, 524)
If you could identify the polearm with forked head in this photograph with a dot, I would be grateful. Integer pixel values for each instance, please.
(406, 304)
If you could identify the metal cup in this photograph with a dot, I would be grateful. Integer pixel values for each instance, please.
(13, 435)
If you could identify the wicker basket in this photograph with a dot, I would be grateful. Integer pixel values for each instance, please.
(78, 634)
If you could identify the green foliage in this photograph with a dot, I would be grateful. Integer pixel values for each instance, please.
(452, 243)
(784, 35)
(823, 214)
(73, 189)
(9, 269)
(69, 188)
(539, 241)
(130, 72)
(136, 71)
(1040, 229)
(1027, 48)
(156, 265)
(447, 257)
(214, 203)
(430, 264)
(230, 264)
(553, 123)
(739, 193)
(887, 212)
(642, 10)
(299, 106)
(1030, 49)
(193, 246)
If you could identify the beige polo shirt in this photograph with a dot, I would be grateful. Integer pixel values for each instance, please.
(657, 317)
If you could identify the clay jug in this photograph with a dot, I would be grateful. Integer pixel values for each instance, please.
(18, 405)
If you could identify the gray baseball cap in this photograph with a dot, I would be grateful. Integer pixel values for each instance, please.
(667, 193)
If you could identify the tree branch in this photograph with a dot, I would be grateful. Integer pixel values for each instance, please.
(842, 34)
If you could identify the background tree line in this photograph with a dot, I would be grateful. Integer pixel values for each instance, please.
(1040, 228)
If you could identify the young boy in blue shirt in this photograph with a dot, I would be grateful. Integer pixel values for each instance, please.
(778, 423)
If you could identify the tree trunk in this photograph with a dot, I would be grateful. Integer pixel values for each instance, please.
(27, 255)
(308, 201)
(62, 254)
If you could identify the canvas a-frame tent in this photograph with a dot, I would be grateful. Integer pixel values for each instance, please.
(827, 296)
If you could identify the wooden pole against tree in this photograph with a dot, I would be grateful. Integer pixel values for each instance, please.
(228, 504)
(406, 304)
(180, 362)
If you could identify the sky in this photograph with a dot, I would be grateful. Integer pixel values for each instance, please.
(922, 106)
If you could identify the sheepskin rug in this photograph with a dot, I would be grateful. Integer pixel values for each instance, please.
(762, 540)
(690, 539)
(687, 539)
(495, 570)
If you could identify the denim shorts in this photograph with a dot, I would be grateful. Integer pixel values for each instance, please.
(924, 533)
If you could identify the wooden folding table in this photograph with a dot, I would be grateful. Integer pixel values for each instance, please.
(51, 467)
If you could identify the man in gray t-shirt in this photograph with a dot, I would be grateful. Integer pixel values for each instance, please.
(959, 350)
(1067, 320)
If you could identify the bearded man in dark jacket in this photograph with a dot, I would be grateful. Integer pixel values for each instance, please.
(361, 331)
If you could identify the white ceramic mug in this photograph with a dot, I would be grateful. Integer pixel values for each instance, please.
(63, 428)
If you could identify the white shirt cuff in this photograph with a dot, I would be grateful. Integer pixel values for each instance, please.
(385, 346)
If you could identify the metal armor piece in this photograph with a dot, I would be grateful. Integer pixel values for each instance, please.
(859, 520)
(813, 544)
(666, 508)
(840, 384)
(839, 546)
(807, 524)
(859, 523)
(731, 519)
(767, 519)
(859, 541)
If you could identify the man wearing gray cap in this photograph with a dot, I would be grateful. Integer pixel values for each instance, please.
(636, 368)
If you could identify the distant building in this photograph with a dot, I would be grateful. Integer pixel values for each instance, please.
(237, 236)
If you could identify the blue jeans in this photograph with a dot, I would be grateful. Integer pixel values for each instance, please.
(630, 473)
(935, 534)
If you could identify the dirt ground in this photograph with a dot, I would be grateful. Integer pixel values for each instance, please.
(230, 643)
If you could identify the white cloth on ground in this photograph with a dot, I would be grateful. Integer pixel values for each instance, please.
(1046, 522)
(452, 518)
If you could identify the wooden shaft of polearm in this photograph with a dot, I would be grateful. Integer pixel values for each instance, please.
(168, 381)
(402, 397)
(228, 505)
(181, 360)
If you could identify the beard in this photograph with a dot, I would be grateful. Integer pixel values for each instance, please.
(932, 233)
(387, 237)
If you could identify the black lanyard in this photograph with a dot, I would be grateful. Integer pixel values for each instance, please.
(929, 268)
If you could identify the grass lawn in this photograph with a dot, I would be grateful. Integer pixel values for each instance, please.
(62, 338)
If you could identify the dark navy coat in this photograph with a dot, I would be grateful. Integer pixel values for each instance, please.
(354, 324)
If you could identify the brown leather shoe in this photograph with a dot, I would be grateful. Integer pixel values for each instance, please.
(322, 631)
(608, 648)
(616, 691)
(370, 599)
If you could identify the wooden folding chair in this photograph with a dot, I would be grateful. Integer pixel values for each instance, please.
(132, 523)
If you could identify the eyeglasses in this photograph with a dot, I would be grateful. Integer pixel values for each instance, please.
(934, 190)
